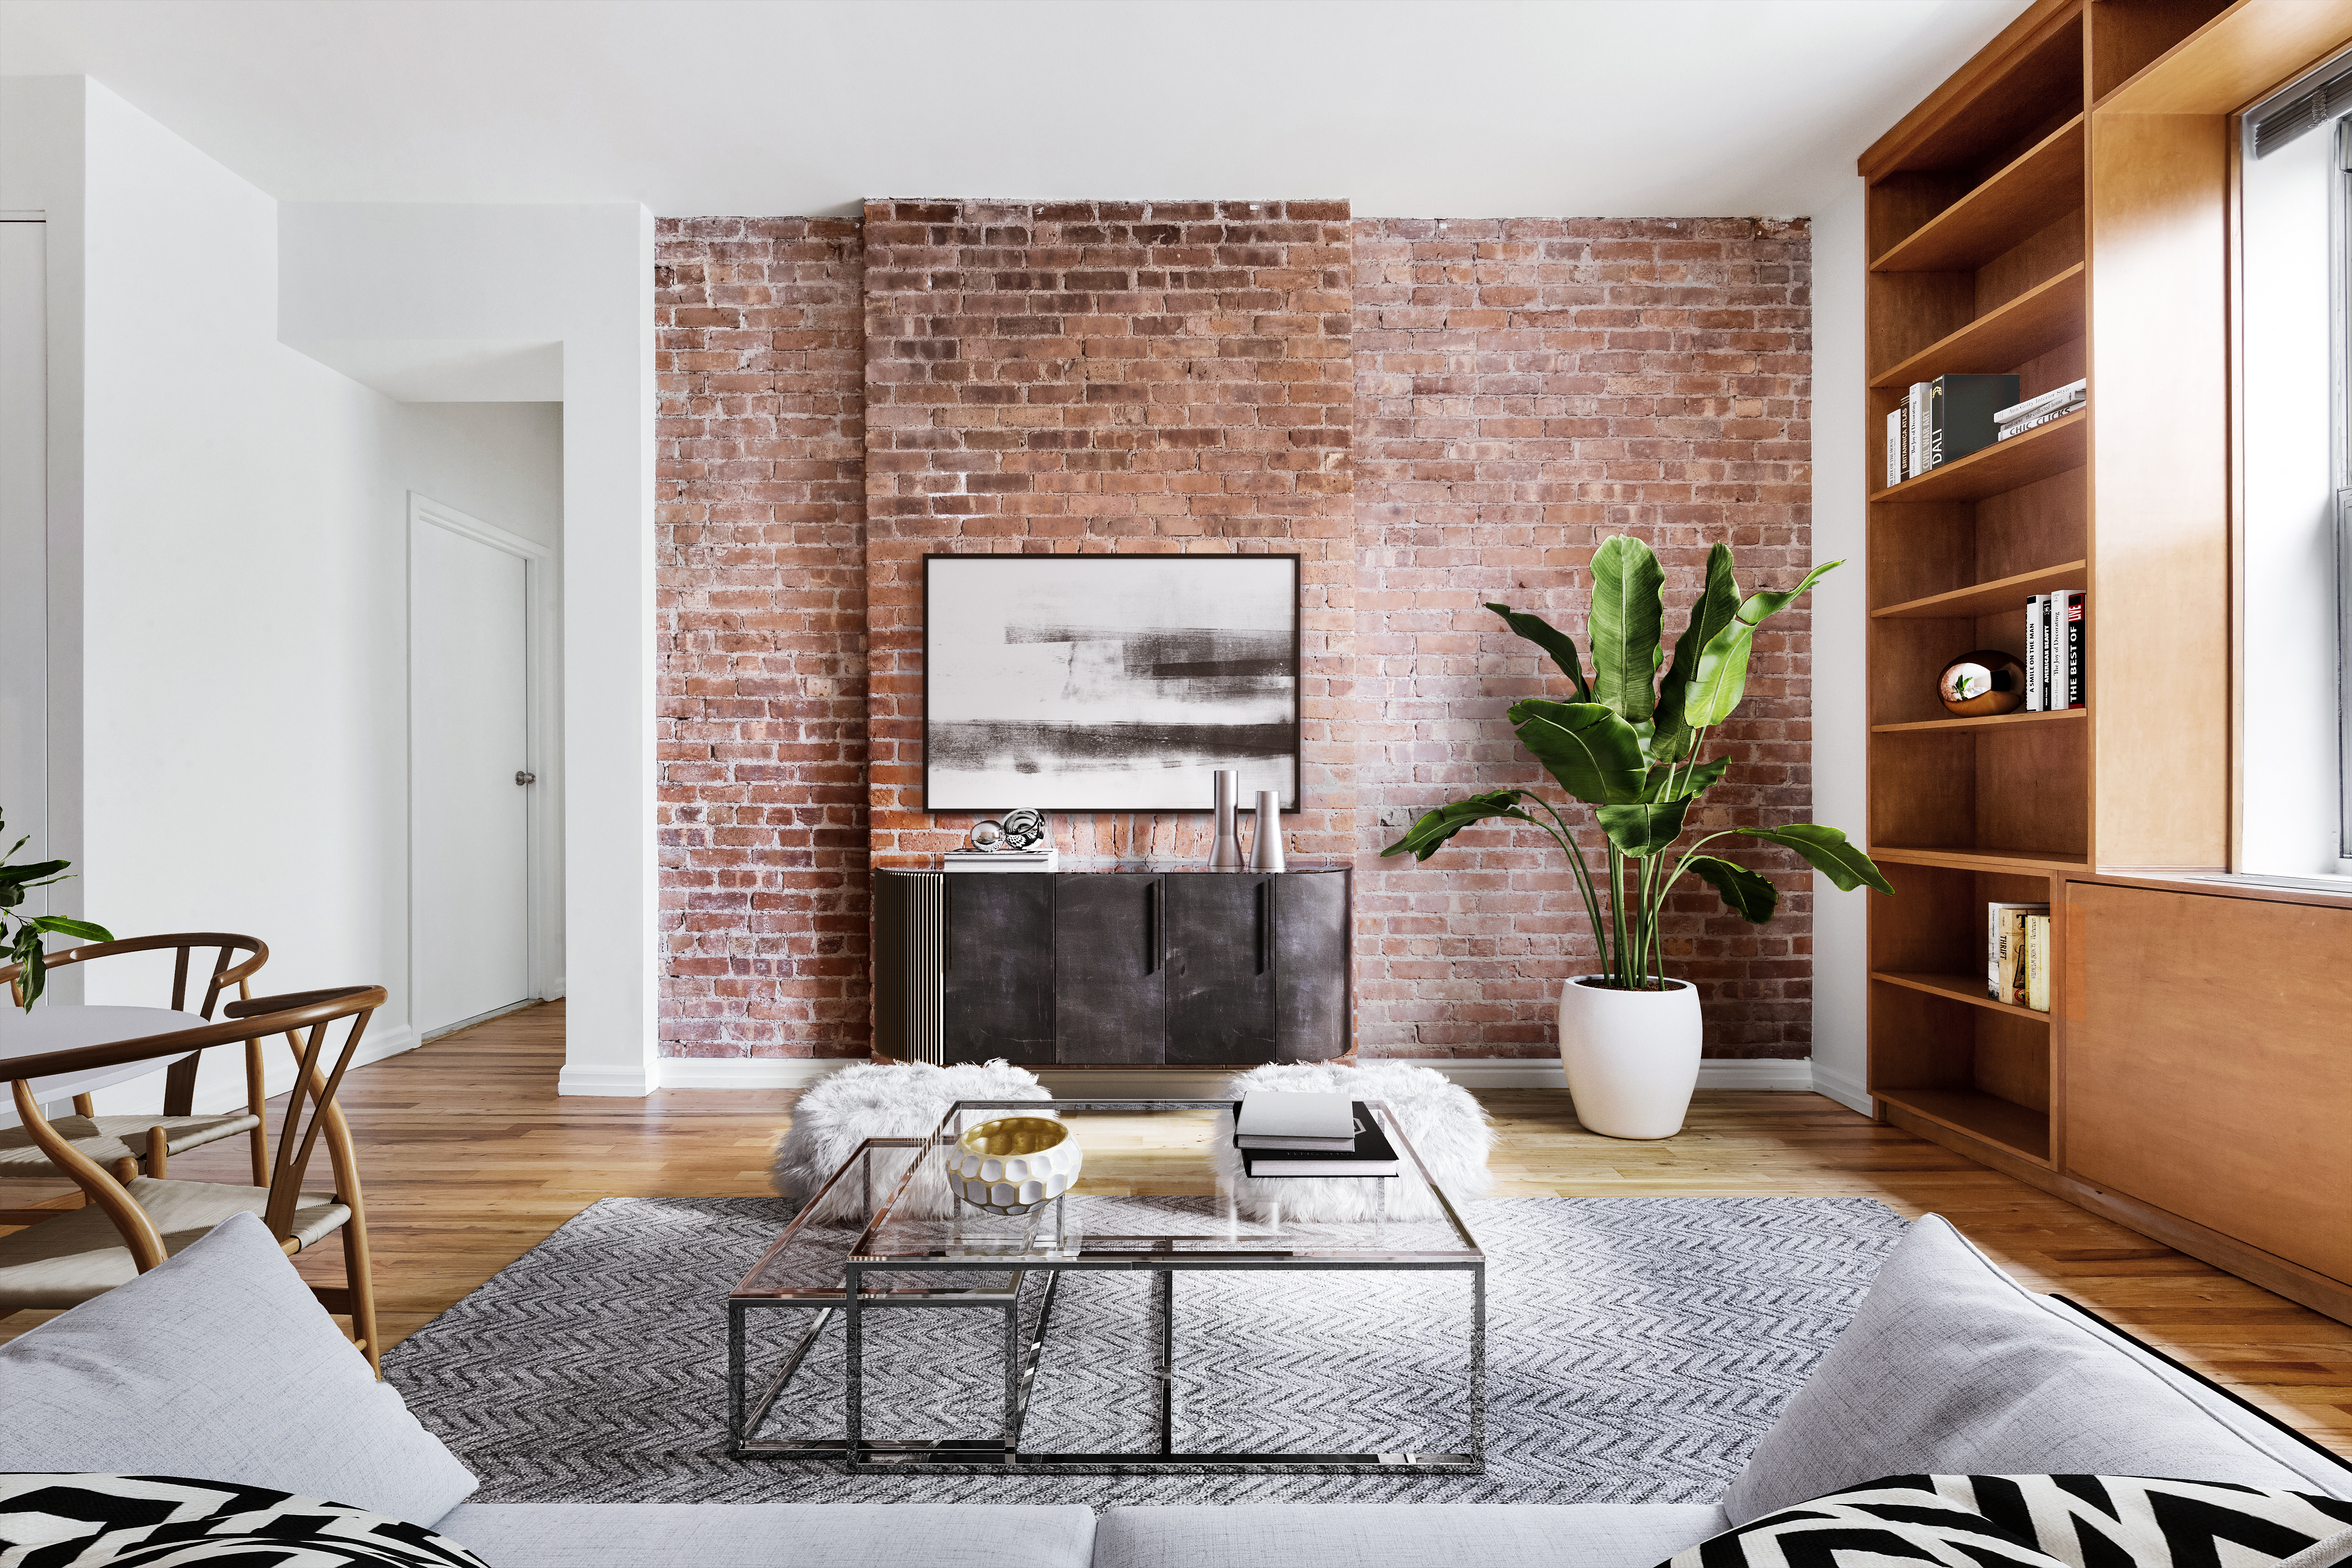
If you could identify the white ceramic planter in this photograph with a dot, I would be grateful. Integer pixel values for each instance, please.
(1014, 1163)
(1632, 1056)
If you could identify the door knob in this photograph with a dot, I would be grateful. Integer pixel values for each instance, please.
(524, 778)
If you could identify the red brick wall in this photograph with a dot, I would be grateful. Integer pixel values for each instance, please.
(1129, 377)
(1185, 377)
(762, 601)
(1524, 389)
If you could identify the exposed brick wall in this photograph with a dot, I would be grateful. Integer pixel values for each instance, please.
(1467, 422)
(1525, 388)
(761, 607)
(1129, 377)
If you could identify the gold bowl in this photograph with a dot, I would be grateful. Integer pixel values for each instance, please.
(1014, 1163)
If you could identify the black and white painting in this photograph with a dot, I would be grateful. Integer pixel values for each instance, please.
(1107, 682)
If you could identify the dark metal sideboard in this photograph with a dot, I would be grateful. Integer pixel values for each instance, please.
(1132, 966)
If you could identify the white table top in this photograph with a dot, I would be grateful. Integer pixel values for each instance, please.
(51, 1027)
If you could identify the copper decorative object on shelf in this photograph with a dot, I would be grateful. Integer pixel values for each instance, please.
(1982, 682)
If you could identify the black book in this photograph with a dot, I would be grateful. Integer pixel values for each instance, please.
(1961, 410)
(1373, 1156)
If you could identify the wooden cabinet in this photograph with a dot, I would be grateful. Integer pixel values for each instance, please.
(2059, 209)
(2210, 1075)
(1129, 967)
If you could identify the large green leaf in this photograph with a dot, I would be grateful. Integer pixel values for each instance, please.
(1686, 781)
(1828, 852)
(1629, 613)
(62, 926)
(1593, 753)
(1644, 830)
(1541, 632)
(1747, 895)
(1429, 835)
(1722, 677)
(1716, 606)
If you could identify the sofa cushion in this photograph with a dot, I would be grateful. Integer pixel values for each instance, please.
(130, 1521)
(2035, 1521)
(219, 1363)
(1402, 1535)
(772, 1536)
(1951, 1367)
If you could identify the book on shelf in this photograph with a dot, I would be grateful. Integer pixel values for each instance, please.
(2037, 671)
(1324, 1122)
(1951, 416)
(2066, 649)
(2005, 976)
(1001, 859)
(2019, 417)
(1896, 433)
(1368, 1153)
(2037, 962)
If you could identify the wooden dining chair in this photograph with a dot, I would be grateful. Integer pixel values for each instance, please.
(128, 1144)
(131, 1225)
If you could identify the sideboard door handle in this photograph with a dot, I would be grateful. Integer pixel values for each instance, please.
(1264, 923)
(1152, 928)
(947, 923)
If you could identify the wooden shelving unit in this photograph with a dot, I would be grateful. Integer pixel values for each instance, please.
(2059, 209)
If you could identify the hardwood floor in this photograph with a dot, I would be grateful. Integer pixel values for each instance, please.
(471, 1159)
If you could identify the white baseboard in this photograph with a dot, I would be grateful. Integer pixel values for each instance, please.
(1180, 1083)
(1843, 1087)
(618, 1083)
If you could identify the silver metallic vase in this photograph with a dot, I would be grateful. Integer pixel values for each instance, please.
(1265, 849)
(1227, 854)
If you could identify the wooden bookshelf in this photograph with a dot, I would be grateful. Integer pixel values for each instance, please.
(2060, 209)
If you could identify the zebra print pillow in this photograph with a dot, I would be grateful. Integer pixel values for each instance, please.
(2043, 1522)
(144, 1522)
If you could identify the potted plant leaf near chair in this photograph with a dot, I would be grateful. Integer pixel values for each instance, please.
(1630, 746)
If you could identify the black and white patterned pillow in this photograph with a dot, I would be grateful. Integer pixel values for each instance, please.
(2041, 1522)
(164, 1521)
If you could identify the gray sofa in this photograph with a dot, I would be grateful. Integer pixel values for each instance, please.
(218, 1364)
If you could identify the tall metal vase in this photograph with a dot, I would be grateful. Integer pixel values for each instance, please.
(1265, 847)
(1227, 854)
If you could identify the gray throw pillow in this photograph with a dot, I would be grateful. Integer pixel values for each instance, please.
(220, 1364)
(1952, 1368)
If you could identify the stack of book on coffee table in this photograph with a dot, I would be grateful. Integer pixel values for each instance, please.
(1310, 1135)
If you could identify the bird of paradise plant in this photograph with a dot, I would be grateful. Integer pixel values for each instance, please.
(1629, 746)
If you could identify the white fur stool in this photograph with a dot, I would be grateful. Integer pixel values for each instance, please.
(1448, 1128)
(893, 1100)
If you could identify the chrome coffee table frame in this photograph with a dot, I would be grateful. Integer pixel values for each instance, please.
(857, 1294)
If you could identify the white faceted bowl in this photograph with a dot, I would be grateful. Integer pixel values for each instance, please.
(1011, 1164)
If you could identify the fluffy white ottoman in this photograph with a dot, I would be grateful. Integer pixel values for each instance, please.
(873, 1100)
(1447, 1126)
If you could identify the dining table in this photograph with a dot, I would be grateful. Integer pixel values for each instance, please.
(64, 1026)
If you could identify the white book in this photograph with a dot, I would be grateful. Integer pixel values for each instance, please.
(1279, 1115)
(2037, 962)
(1895, 446)
(1915, 418)
(2056, 398)
(2037, 688)
(2053, 670)
(1000, 861)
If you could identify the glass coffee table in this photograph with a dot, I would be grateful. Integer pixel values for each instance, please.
(874, 1256)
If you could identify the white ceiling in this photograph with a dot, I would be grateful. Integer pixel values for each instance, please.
(1473, 109)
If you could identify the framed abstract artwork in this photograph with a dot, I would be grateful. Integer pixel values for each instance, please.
(1107, 682)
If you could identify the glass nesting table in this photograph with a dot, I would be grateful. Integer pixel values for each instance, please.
(865, 1250)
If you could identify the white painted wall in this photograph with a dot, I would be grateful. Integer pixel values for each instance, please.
(240, 651)
(1841, 724)
(2289, 822)
(377, 286)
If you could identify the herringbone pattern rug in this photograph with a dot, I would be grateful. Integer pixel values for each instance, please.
(1637, 1348)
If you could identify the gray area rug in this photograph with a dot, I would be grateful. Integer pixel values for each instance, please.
(1637, 1349)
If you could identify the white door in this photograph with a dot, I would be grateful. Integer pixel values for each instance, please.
(469, 725)
(24, 549)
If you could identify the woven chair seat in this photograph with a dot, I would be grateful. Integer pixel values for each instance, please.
(106, 1138)
(65, 1261)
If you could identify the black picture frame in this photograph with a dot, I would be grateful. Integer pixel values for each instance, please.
(1247, 664)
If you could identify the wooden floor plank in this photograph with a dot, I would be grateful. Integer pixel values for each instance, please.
(471, 1158)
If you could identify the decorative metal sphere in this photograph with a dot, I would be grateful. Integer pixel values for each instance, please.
(1024, 828)
(987, 834)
